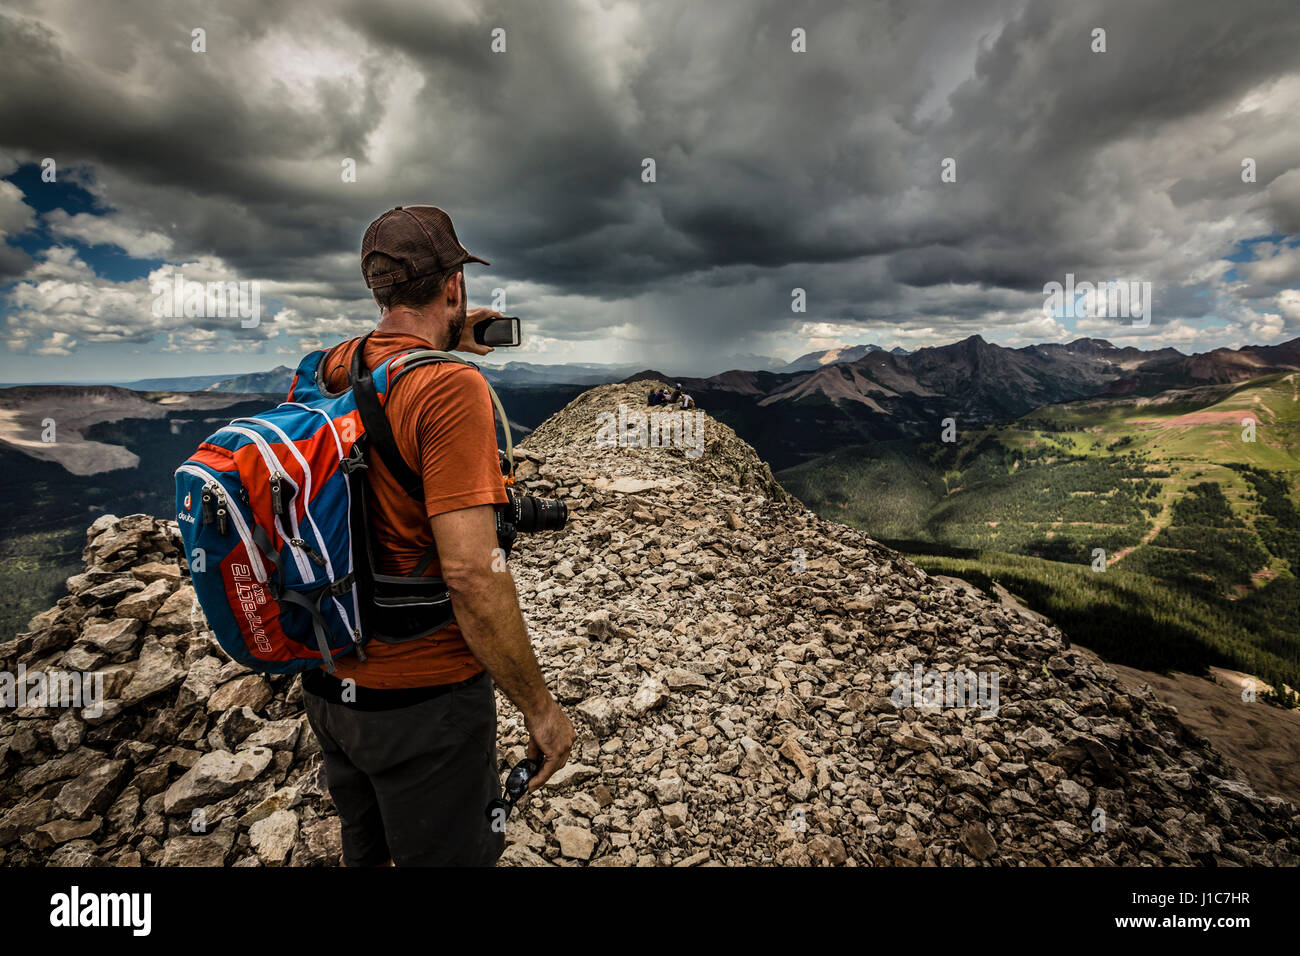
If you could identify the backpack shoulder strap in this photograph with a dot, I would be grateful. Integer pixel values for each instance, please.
(375, 422)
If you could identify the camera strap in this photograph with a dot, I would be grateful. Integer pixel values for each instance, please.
(404, 363)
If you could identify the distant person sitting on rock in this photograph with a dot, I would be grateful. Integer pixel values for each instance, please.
(652, 396)
(687, 401)
(677, 394)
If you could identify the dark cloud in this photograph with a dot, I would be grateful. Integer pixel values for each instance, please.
(775, 170)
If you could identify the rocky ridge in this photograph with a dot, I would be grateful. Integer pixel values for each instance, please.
(729, 659)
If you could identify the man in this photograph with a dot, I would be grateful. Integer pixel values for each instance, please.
(409, 734)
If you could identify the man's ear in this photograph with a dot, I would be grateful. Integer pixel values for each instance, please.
(455, 290)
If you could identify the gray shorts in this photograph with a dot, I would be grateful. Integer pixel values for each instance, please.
(413, 783)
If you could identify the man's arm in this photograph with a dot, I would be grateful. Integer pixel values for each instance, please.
(487, 610)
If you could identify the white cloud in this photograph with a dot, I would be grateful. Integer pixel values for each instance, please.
(58, 343)
(109, 229)
(15, 215)
(1268, 327)
(1288, 301)
(62, 299)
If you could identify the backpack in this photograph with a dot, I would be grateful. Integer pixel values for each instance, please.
(273, 515)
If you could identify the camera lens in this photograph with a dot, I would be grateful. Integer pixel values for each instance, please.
(541, 514)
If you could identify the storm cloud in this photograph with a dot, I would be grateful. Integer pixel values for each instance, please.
(775, 170)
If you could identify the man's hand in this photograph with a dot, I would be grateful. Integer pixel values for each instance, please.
(472, 318)
(550, 735)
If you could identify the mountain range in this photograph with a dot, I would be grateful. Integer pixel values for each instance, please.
(792, 417)
(110, 437)
(276, 381)
(810, 361)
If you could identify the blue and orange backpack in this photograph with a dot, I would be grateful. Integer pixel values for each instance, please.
(272, 512)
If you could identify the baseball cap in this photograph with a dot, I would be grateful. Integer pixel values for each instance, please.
(421, 238)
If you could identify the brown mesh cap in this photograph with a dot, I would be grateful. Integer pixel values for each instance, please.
(420, 237)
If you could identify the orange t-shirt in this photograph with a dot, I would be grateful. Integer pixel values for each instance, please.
(442, 420)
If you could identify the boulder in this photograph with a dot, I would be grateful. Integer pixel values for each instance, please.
(214, 776)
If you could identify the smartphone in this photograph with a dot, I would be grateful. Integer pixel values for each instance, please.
(497, 333)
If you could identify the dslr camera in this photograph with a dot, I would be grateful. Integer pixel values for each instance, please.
(526, 513)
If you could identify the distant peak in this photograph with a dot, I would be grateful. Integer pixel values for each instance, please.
(649, 374)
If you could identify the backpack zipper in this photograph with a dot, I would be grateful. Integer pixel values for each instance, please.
(306, 485)
(311, 552)
(241, 529)
(278, 479)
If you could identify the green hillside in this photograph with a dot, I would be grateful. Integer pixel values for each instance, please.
(1197, 527)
